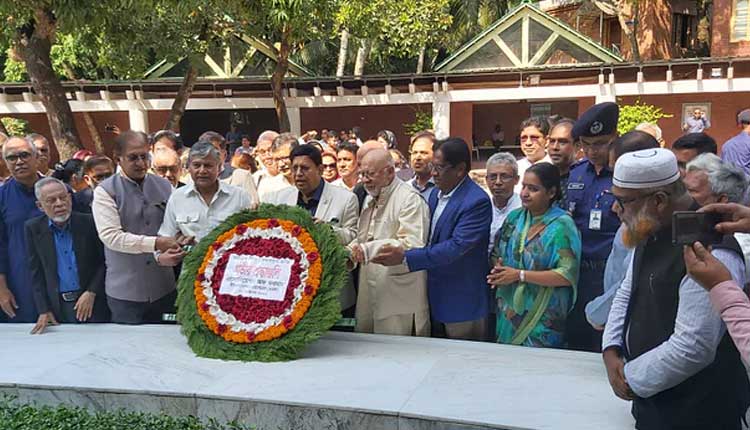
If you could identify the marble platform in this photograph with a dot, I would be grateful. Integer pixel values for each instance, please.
(343, 381)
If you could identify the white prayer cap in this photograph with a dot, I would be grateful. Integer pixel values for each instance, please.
(647, 168)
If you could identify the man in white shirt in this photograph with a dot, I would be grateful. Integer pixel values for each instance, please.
(228, 174)
(197, 208)
(263, 153)
(502, 177)
(281, 148)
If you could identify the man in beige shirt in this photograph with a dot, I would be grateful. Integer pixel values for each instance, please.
(391, 300)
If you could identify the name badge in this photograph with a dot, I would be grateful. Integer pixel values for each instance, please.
(576, 185)
(595, 219)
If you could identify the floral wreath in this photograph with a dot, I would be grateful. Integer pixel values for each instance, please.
(225, 324)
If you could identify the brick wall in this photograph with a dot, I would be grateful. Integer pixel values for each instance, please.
(721, 32)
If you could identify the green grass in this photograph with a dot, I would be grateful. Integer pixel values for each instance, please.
(17, 416)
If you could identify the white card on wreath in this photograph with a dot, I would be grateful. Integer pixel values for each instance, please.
(256, 277)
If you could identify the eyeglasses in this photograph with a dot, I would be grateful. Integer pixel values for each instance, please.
(280, 159)
(439, 168)
(622, 202)
(13, 158)
(102, 176)
(553, 141)
(503, 178)
(329, 166)
(162, 170)
(138, 157)
(367, 175)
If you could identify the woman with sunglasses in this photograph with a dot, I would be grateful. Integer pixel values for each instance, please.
(330, 171)
(536, 260)
(533, 140)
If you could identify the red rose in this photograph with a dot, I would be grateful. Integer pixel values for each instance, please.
(273, 222)
(296, 230)
(311, 257)
(241, 229)
(222, 328)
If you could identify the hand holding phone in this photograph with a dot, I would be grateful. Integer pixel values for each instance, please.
(691, 227)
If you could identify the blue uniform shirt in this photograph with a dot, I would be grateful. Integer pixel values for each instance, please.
(587, 192)
(67, 268)
(17, 205)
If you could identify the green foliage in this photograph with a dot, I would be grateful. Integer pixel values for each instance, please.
(16, 416)
(632, 115)
(16, 126)
(422, 121)
(322, 315)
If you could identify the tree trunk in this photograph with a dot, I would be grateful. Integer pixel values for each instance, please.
(33, 44)
(420, 61)
(180, 101)
(3, 130)
(343, 50)
(277, 82)
(87, 119)
(630, 33)
(362, 53)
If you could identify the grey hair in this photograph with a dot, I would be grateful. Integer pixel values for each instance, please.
(46, 181)
(269, 135)
(32, 147)
(723, 178)
(650, 128)
(33, 137)
(504, 158)
(203, 149)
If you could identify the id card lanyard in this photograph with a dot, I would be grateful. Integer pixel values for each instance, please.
(596, 214)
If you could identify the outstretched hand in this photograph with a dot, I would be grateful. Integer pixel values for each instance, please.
(703, 267)
(739, 214)
(389, 255)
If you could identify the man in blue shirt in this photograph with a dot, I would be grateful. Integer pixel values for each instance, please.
(589, 201)
(66, 260)
(737, 149)
(698, 123)
(17, 205)
(456, 258)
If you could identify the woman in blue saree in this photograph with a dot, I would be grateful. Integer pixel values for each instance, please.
(535, 261)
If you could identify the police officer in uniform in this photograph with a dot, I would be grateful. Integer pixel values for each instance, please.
(589, 201)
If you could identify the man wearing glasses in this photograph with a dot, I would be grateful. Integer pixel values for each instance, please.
(17, 205)
(562, 150)
(502, 177)
(43, 151)
(128, 209)
(96, 169)
(589, 201)
(167, 165)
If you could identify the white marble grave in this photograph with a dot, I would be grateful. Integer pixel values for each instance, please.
(343, 381)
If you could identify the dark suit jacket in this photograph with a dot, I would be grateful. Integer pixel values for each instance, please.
(89, 253)
(456, 258)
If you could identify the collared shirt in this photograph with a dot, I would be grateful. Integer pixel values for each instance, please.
(17, 205)
(692, 346)
(524, 164)
(424, 191)
(618, 262)
(189, 214)
(499, 215)
(107, 217)
(697, 125)
(589, 191)
(443, 200)
(737, 151)
(67, 268)
(312, 204)
(271, 184)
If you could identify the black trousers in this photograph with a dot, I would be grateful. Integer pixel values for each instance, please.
(127, 312)
(578, 332)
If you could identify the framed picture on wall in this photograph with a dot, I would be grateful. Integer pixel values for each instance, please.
(540, 109)
(689, 108)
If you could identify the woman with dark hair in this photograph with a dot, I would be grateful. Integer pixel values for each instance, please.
(533, 140)
(536, 259)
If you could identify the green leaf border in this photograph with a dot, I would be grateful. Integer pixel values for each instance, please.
(322, 315)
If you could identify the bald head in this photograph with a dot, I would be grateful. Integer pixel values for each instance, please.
(377, 170)
(368, 146)
(267, 136)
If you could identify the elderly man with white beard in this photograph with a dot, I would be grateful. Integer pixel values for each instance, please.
(391, 300)
(664, 347)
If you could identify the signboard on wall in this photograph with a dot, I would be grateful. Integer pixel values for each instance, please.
(540, 109)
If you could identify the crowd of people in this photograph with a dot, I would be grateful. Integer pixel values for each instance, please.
(569, 246)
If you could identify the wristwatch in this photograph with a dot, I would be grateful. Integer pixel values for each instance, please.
(522, 276)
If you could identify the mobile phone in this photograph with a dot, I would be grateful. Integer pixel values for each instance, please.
(691, 227)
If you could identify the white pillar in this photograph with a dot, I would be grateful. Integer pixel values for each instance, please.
(609, 97)
(295, 120)
(441, 118)
(138, 118)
